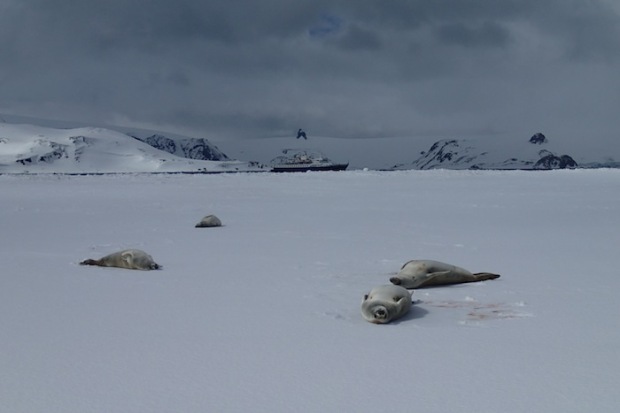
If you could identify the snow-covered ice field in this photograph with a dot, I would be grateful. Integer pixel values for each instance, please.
(263, 314)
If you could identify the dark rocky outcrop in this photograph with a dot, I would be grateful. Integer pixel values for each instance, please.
(538, 139)
(191, 148)
(551, 161)
(57, 151)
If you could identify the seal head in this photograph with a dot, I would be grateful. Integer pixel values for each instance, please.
(386, 303)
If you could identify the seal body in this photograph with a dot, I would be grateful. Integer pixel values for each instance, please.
(131, 259)
(386, 303)
(423, 273)
(209, 221)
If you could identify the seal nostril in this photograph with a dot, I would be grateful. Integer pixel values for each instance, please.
(395, 280)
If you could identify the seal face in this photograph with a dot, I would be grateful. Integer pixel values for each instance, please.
(386, 303)
(422, 273)
(209, 221)
(131, 259)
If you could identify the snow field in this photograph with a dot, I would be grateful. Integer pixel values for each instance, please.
(263, 314)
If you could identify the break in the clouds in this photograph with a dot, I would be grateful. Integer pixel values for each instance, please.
(367, 68)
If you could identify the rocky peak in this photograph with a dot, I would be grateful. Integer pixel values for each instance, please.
(551, 161)
(191, 148)
(538, 139)
(446, 151)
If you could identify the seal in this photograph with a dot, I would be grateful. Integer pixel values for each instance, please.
(209, 221)
(423, 273)
(386, 303)
(130, 259)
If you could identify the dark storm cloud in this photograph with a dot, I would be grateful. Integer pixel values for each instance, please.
(341, 68)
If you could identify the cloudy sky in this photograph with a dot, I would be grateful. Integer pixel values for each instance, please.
(250, 69)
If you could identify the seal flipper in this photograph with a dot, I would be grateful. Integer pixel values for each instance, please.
(127, 257)
(428, 278)
(403, 300)
(481, 276)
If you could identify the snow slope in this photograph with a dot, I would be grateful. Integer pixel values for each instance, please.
(35, 149)
(263, 314)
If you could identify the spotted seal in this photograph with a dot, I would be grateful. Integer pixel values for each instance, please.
(422, 273)
(131, 259)
(386, 303)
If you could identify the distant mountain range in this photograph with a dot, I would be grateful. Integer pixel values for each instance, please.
(503, 151)
(472, 154)
(29, 145)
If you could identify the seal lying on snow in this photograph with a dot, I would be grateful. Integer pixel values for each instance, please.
(386, 303)
(130, 259)
(422, 273)
(209, 221)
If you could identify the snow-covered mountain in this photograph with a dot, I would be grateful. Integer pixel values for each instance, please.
(185, 147)
(537, 153)
(31, 148)
(39, 145)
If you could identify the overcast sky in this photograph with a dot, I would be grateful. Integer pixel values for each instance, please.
(362, 68)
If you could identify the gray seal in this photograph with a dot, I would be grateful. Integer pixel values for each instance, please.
(131, 259)
(386, 303)
(423, 273)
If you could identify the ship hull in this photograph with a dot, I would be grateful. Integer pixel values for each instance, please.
(309, 168)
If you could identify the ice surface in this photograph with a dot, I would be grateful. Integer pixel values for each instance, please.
(263, 314)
